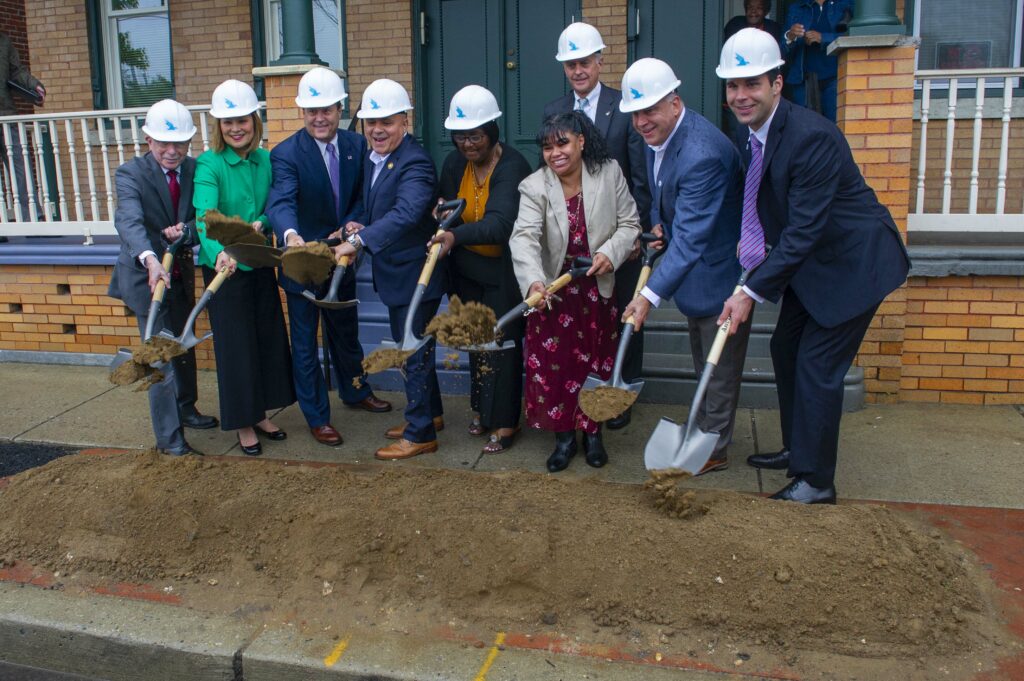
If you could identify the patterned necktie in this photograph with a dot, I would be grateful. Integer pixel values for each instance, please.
(175, 189)
(335, 171)
(581, 104)
(751, 231)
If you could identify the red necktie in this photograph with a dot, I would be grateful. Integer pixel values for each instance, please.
(175, 188)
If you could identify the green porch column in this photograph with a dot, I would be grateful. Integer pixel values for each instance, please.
(875, 17)
(297, 30)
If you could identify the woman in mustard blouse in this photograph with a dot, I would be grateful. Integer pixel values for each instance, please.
(254, 367)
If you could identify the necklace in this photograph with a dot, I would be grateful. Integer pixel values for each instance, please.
(576, 210)
(478, 186)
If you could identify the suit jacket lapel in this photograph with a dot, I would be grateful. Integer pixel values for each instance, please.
(589, 186)
(557, 201)
(187, 175)
(603, 113)
(388, 171)
(156, 177)
(775, 133)
(667, 171)
(312, 156)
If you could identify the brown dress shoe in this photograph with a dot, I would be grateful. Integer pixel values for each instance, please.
(403, 449)
(371, 404)
(398, 431)
(327, 435)
(713, 465)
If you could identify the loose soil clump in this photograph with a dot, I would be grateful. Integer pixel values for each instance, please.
(158, 349)
(463, 325)
(229, 231)
(309, 264)
(606, 402)
(492, 551)
(383, 359)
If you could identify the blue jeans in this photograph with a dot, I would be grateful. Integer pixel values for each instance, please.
(828, 97)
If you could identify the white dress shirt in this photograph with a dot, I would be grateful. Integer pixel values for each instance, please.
(659, 155)
(145, 254)
(762, 136)
(327, 164)
(592, 98)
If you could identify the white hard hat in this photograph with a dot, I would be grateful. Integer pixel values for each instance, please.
(749, 53)
(382, 98)
(577, 41)
(232, 99)
(169, 121)
(645, 83)
(320, 87)
(471, 107)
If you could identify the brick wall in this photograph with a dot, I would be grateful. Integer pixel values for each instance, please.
(60, 50)
(12, 19)
(609, 17)
(212, 41)
(379, 45)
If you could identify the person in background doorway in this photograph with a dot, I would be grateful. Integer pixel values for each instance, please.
(812, 25)
(11, 69)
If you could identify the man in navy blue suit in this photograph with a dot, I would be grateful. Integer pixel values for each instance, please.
(694, 174)
(399, 188)
(835, 255)
(317, 188)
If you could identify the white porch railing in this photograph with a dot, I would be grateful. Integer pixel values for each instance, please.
(68, 162)
(964, 174)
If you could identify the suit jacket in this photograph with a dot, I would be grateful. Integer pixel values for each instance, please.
(540, 237)
(399, 223)
(301, 197)
(832, 242)
(625, 144)
(143, 211)
(699, 199)
(11, 68)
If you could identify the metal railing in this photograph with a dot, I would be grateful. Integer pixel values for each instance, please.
(964, 175)
(68, 162)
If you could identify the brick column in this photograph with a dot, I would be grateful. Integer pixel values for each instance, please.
(876, 113)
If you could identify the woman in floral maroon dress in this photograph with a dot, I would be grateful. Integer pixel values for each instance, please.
(578, 204)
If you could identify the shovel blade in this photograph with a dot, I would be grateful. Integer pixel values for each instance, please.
(189, 340)
(695, 452)
(336, 304)
(122, 356)
(670, 447)
(407, 345)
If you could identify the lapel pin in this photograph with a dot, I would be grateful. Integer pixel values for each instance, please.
(350, 157)
(391, 165)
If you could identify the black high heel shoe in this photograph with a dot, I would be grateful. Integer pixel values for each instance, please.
(254, 450)
(594, 449)
(565, 449)
(276, 435)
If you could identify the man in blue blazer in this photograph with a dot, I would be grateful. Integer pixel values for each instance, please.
(694, 172)
(399, 189)
(317, 188)
(835, 255)
(579, 51)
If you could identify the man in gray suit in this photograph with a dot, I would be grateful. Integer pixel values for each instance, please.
(695, 176)
(154, 208)
(579, 50)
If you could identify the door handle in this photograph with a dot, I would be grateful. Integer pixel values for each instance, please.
(510, 65)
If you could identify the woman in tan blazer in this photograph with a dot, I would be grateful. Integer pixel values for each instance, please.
(578, 204)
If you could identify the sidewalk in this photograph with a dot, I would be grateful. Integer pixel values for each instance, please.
(957, 467)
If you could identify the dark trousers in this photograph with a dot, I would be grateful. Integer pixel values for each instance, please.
(625, 286)
(178, 302)
(163, 399)
(251, 346)
(342, 343)
(422, 392)
(496, 378)
(717, 413)
(810, 363)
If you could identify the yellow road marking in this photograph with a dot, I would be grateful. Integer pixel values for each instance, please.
(491, 657)
(338, 651)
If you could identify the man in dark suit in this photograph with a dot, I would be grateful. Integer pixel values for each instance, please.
(694, 171)
(835, 255)
(399, 188)
(579, 50)
(317, 188)
(154, 209)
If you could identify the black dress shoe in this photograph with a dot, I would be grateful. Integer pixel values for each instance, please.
(565, 449)
(594, 449)
(778, 461)
(254, 450)
(803, 492)
(187, 450)
(275, 435)
(620, 421)
(199, 421)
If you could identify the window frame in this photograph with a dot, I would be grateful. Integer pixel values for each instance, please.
(108, 17)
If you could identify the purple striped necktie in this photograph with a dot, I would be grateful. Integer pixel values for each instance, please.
(335, 173)
(751, 232)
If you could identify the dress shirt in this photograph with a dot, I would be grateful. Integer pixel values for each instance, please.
(378, 165)
(592, 98)
(145, 254)
(762, 136)
(326, 158)
(659, 154)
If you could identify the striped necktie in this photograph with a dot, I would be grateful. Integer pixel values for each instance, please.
(751, 249)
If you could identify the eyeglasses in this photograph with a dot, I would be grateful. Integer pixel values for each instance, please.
(471, 139)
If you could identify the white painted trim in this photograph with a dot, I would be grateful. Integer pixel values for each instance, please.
(964, 222)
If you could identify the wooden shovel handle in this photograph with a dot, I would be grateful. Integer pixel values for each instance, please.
(428, 266)
(158, 290)
(645, 274)
(533, 300)
(218, 280)
(722, 333)
(345, 260)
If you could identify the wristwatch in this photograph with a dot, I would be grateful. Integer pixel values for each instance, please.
(356, 242)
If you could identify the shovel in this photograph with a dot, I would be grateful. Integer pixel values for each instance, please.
(254, 256)
(125, 354)
(409, 343)
(689, 448)
(594, 381)
(579, 267)
(188, 339)
(330, 301)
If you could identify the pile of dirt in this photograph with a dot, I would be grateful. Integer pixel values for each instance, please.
(229, 231)
(606, 402)
(383, 359)
(157, 349)
(309, 264)
(500, 550)
(463, 324)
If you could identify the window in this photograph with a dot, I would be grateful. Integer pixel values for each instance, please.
(328, 31)
(137, 42)
(986, 34)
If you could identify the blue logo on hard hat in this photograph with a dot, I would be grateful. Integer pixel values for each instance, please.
(572, 46)
(170, 126)
(229, 104)
(740, 61)
(458, 113)
(374, 104)
(636, 93)
(313, 92)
